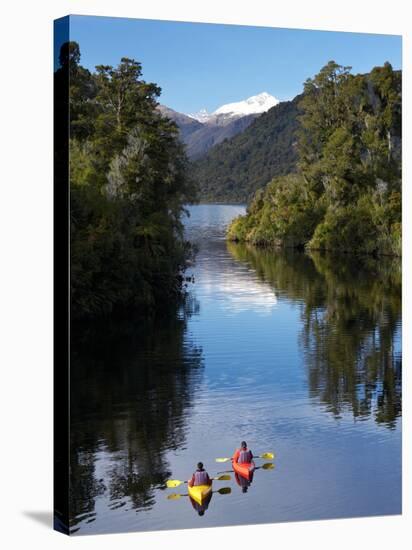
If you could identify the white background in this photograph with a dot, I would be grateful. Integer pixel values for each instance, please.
(26, 269)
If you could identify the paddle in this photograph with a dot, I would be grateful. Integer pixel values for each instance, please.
(267, 466)
(267, 456)
(222, 491)
(171, 483)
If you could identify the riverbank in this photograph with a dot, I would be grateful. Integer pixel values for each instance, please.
(285, 215)
(346, 193)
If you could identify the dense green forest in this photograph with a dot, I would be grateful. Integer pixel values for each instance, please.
(128, 188)
(346, 192)
(233, 170)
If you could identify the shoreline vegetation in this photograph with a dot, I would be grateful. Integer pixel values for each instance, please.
(129, 188)
(346, 193)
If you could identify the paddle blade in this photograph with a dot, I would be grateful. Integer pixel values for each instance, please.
(268, 456)
(223, 478)
(173, 483)
(223, 459)
(224, 491)
(268, 466)
(174, 496)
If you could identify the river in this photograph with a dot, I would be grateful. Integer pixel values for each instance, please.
(297, 354)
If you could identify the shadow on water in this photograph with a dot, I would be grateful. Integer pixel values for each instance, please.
(201, 508)
(243, 482)
(351, 319)
(132, 389)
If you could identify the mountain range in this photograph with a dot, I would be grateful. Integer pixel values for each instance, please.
(233, 170)
(254, 105)
(202, 131)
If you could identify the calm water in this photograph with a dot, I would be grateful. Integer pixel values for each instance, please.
(297, 354)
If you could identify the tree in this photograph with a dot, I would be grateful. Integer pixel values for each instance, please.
(128, 189)
(349, 169)
(124, 100)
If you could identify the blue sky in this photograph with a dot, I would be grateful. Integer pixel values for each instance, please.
(200, 65)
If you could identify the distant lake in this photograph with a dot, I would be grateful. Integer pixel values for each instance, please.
(297, 354)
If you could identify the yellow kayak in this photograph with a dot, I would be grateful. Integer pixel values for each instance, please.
(200, 493)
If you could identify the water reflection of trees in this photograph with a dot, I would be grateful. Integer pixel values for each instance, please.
(351, 316)
(130, 394)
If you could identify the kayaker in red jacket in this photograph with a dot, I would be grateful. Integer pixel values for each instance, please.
(243, 455)
(200, 477)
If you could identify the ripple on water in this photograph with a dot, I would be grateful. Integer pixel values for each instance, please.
(286, 351)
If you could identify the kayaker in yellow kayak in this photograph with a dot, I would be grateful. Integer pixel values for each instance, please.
(243, 455)
(200, 477)
(200, 489)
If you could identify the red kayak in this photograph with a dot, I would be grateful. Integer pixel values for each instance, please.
(245, 469)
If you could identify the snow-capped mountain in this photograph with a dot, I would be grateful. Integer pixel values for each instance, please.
(254, 105)
(202, 116)
(201, 131)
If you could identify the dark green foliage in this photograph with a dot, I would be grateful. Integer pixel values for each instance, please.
(283, 214)
(346, 194)
(363, 227)
(128, 187)
(233, 170)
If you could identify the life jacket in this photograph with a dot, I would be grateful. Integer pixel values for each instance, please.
(201, 477)
(244, 456)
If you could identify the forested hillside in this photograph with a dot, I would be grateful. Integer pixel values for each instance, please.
(233, 170)
(128, 188)
(187, 125)
(346, 193)
(199, 137)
